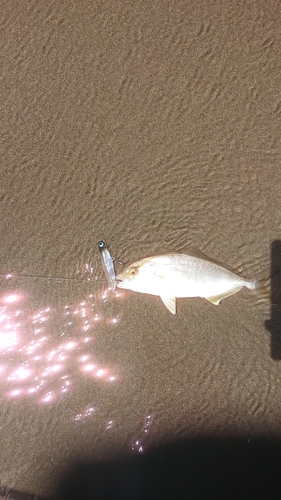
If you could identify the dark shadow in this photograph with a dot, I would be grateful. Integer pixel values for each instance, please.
(274, 323)
(199, 468)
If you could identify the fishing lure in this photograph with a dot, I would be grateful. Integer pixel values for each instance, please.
(107, 263)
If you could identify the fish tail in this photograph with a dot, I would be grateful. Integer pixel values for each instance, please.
(260, 286)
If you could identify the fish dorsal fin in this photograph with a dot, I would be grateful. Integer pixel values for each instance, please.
(170, 303)
(216, 300)
(194, 252)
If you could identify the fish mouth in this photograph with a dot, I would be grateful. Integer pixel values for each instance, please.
(119, 280)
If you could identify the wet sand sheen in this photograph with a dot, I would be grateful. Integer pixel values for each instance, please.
(155, 129)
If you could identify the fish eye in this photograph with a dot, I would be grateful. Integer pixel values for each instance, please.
(133, 271)
(101, 244)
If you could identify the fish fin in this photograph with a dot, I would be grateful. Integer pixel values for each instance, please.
(194, 252)
(217, 298)
(259, 285)
(170, 303)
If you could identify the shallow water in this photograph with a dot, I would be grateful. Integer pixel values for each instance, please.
(155, 128)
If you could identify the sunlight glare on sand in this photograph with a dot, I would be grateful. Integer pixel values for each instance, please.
(35, 361)
(138, 445)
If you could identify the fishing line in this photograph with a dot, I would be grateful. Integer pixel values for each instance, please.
(57, 278)
(107, 262)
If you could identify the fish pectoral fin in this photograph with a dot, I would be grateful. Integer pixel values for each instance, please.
(217, 298)
(170, 303)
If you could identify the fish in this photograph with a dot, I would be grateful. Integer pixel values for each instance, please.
(107, 263)
(183, 275)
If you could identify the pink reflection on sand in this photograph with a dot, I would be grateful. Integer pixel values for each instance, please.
(109, 424)
(20, 373)
(138, 444)
(35, 362)
(15, 393)
(12, 298)
(81, 417)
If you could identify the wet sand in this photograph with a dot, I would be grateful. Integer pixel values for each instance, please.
(154, 127)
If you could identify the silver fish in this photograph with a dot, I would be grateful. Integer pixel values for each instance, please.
(107, 263)
(175, 275)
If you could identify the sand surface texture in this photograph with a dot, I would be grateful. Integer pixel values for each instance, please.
(154, 126)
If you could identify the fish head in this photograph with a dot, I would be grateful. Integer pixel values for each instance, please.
(140, 277)
(130, 278)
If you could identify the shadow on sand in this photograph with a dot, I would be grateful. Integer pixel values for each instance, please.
(274, 323)
(199, 468)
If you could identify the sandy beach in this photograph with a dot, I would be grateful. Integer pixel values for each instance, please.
(154, 126)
